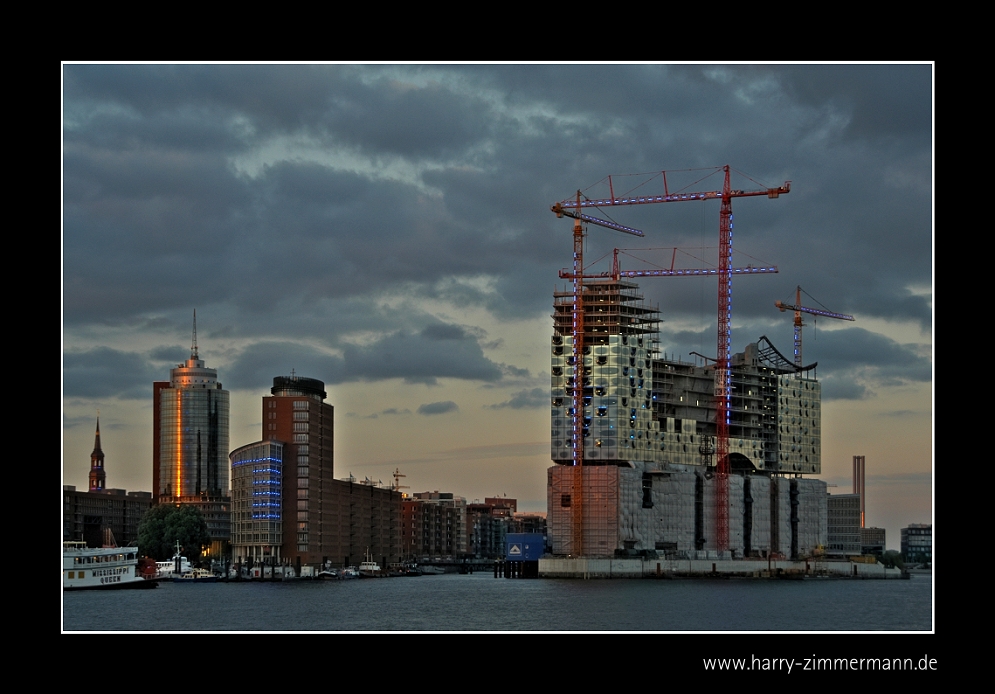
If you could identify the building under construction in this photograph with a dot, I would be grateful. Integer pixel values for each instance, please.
(649, 440)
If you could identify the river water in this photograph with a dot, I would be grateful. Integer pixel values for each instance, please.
(480, 602)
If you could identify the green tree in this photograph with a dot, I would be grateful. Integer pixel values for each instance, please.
(893, 560)
(164, 525)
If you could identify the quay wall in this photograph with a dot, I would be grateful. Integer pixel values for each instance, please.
(583, 567)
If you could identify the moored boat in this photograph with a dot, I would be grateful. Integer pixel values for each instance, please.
(100, 568)
(195, 576)
(369, 568)
(177, 566)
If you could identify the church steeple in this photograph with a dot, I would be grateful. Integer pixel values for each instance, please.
(98, 477)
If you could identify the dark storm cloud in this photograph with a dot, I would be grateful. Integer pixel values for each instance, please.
(103, 372)
(157, 217)
(273, 98)
(887, 361)
(438, 407)
(880, 99)
(231, 107)
(393, 118)
(844, 386)
(419, 358)
(438, 351)
(174, 354)
(536, 398)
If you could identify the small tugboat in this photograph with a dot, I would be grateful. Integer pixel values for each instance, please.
(369, 568)
(100, 568)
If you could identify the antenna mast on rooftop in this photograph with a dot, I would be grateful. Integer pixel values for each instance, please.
(193, 345)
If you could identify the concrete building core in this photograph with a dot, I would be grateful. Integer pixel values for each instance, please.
(649, 439)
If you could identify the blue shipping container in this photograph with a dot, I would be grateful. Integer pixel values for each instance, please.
(524, 546)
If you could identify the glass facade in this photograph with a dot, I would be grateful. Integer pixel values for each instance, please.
(257, 488)
(193, 444)
(640, 405)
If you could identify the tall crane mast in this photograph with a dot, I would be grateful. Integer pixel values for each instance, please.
(723, 381)
(799, 310)
(577, 352)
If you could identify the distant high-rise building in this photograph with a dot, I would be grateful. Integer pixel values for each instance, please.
(844, 532)
(917, 543)
(488, 524)
(873, 541)
(98, 478)
(190, 442)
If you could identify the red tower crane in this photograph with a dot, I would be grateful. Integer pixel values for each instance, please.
(617, 272)
(799, 309)
(723, 382)
(577, 351)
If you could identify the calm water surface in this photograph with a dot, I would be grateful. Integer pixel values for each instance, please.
(481, 602)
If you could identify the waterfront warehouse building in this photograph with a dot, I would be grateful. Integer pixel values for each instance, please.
(433, 524)
(649, 440)
(190, 444)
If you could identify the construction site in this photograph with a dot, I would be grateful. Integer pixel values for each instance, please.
(662, 459)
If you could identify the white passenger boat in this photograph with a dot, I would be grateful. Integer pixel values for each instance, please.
(177, 566)
(85, 568)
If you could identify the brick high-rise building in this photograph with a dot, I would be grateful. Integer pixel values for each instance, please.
(297, 415)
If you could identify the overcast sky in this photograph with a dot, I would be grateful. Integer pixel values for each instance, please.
(386, 229)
